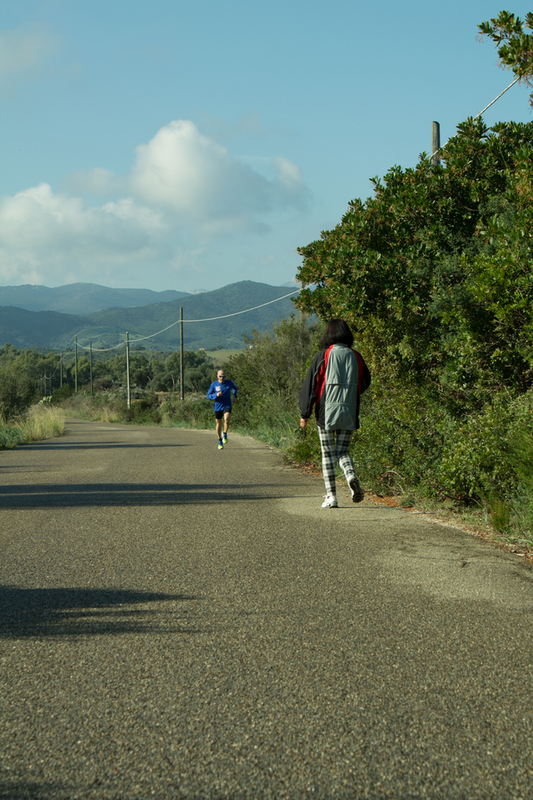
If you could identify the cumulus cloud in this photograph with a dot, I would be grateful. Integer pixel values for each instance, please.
(23, 50)
(42, 233)
(196, 180)
(183, 193)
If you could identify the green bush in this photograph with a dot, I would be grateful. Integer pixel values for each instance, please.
(400, 440)
(144, 411)
(17, 391)
(58, 395)
(481, 457)
(194, 412)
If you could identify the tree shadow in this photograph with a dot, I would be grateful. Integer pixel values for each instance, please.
(122, 494)
(12, 790)
(98, 446)
(38, 613)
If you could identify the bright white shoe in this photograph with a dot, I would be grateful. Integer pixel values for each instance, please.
(330, 501)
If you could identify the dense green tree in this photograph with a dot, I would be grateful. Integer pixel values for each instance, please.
(409, 268)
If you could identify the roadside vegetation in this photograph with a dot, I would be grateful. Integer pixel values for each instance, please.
(39, 422)
(434, 274)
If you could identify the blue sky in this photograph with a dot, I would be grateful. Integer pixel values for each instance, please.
(176, 145)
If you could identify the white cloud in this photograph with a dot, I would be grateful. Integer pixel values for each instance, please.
(23, 50)
(42, 234)
(184, 195)
(198, 179)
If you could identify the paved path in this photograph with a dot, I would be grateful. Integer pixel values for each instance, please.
(176, 622)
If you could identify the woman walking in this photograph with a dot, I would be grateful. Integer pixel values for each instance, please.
(334, 383)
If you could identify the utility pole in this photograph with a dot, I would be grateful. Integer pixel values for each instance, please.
(76, 364)
(91, 363)
(128, 368)
(182, 388)
(435, 143)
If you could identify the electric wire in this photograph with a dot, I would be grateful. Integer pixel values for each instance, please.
(477, 116)
(209, 319)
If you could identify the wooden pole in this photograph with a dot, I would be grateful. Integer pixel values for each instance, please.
(128, 369)
(435, 143)
(182, 388)
(91, 363)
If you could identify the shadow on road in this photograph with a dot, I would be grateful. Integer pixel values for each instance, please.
(30, 790)
(41, 446)
(122, 494)
(26, 613)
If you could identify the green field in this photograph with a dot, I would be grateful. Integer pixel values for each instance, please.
(221, 356)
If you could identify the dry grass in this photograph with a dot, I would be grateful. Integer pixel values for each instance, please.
(43, 422)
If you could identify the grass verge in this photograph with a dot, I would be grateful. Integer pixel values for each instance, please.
(41, 422)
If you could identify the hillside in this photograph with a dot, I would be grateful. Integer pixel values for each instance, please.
(219, 333)
(80, 298)
(35, 329)
(107, 328)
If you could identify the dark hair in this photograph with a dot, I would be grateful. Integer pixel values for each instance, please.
(335, 332)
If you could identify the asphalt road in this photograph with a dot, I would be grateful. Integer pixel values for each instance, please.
(179, 622)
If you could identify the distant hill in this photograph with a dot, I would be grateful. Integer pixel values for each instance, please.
(80, 298)
(106, 328)
(35, 329)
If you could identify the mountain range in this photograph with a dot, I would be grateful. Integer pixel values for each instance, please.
(81, 298)
(212, 320)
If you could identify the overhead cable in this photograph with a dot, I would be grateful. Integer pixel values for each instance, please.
(209, 319)
(477, 116)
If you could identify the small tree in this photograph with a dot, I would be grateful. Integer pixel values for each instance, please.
(17, 391)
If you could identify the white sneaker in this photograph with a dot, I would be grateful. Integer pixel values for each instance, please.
(330, 501)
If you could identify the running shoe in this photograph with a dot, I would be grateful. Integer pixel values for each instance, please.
(330, 501)
(220, 444)
(357, 493)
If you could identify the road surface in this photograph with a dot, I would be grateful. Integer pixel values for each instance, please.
(179, 622)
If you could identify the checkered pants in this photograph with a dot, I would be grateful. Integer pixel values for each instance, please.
(335, 447)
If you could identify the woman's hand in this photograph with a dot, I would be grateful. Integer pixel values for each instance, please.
(303, 422)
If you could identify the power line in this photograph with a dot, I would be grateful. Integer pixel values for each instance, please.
(209, 319)
(477, 116)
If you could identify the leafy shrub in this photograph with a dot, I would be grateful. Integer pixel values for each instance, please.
(58, 395)
(481, 458)
(17, 391)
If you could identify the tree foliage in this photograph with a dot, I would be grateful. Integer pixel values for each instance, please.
(514, 44)
(434, 271)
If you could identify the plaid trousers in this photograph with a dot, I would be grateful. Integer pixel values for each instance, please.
(335, 447)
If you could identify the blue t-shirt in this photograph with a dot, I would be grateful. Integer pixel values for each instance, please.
(224, 401)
